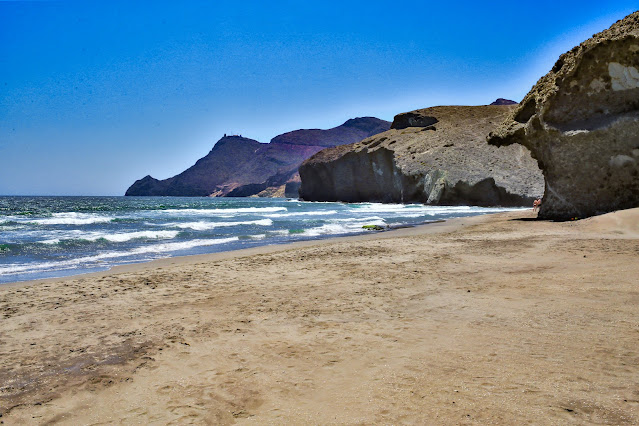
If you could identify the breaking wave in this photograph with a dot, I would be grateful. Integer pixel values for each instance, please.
(96, 260)
(203, 226)
(115, 238)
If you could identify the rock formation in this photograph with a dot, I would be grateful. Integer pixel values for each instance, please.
(435, 155)
(239, 167)
(581, 122)
(502, 101)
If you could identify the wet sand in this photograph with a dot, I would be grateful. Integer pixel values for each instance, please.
(490, 319)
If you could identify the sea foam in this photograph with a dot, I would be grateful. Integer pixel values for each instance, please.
(113, 237)
(203, 226)
(223, 212)
(296, 214)
(98, 260)
(343, 226)
(67, 218)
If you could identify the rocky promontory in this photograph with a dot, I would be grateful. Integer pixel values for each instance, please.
(240, 167)
(502, 101)
(436, 155)
(581, 122)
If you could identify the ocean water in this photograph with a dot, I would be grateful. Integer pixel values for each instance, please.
(44, 237)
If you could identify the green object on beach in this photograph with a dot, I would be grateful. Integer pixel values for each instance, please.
(373, 227)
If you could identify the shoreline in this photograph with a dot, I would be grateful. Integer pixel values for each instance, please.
(476, 320)
(267, 248)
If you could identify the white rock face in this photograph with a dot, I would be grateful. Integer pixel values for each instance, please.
(597, 85)
(622, 161)
(623, 78)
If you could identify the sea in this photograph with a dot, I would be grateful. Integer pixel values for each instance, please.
(46, 237)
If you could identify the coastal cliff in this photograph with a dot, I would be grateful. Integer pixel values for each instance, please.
(239, 167)
(581, 122)
(435, 155)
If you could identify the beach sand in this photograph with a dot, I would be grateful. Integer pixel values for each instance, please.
(489, 319)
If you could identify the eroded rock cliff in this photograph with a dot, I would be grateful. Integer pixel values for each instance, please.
(581, 122)
(435, 155)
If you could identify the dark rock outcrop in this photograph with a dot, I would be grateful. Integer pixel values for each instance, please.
(435, 155)
(231, 157)
(502, 101)
(412, 119)
(240, 167)
(292, 188)
(581, 122)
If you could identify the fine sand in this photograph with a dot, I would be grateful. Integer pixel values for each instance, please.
(490, 319)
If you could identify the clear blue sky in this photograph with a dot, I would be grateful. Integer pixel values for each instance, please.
(94, 95)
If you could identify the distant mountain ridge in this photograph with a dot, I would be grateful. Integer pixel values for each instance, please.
(351, 129)
(238, 166)
(502, 101)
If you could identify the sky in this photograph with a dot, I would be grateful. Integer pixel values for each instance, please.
(95, 95)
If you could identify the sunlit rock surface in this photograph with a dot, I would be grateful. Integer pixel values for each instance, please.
(435, 155)
(581, 122)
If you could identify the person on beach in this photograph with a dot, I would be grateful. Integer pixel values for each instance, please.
(536, 204)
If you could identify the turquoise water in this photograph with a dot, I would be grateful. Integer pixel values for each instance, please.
(44, 237)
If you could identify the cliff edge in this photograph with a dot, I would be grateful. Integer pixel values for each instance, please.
(581, 123)
(435, 155)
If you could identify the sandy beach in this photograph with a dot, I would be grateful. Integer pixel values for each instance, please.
(497, 319)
